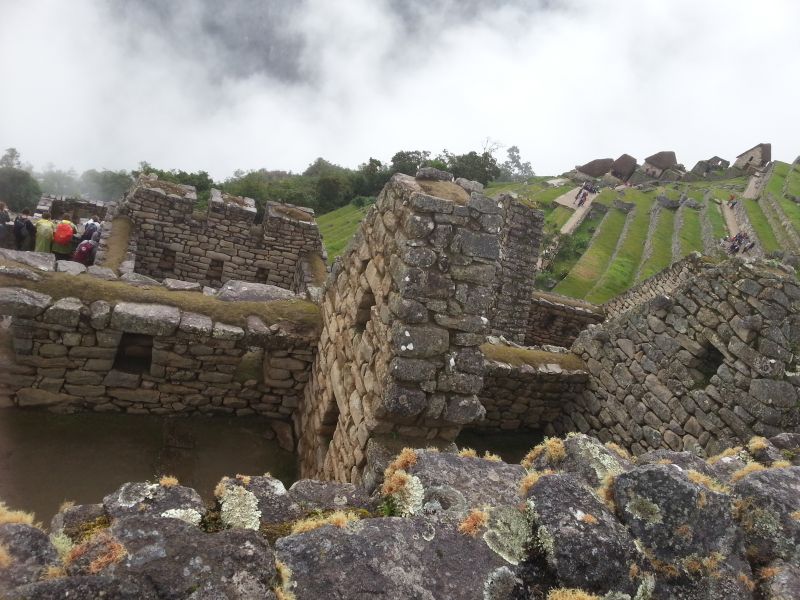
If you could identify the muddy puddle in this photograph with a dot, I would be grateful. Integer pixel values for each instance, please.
(47, 458)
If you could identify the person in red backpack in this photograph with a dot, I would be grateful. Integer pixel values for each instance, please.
(62, 238)
(86, 250)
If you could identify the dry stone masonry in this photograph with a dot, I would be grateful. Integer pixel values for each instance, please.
(556, 320)
(702, 368)
(171, 240)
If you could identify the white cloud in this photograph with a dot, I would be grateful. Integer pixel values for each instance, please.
(87, 84)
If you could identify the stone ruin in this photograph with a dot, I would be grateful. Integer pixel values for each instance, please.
(426, 325)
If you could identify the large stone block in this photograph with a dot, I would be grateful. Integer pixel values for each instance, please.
(66, 311)
(19, 302)
(147, 319)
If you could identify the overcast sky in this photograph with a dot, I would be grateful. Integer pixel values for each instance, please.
(245, 84)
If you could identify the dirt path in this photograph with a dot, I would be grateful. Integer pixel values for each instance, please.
(730, 219)
(568, 200)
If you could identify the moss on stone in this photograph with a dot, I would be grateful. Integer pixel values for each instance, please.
(118, 241)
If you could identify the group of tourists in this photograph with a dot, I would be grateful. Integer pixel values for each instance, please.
(740, 242)
(583, 194)
(54, 233)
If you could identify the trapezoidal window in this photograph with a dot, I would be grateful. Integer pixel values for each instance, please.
(167, 262)
(134, 353)
(214, 273)
(261, 275)
(364, 311)
(707, 365)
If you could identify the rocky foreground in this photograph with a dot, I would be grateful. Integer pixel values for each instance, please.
(577, 520)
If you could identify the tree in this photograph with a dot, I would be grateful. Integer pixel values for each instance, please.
(477, 167)
(513, 169)
(59, 183)
(105, 185)
(370, 178)
(12, 158)
(409, 161)
(201, 180)
(18, 189)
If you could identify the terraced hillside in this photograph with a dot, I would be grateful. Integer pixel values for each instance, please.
(629, 235)
(639, 236)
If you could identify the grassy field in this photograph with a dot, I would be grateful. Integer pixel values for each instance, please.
(714, 215)
(661, 254)
(691, 234)
(590, 267)
(775, 187)
(573, 247)
(338, 226)
(556, 219)
(761, 226)
(621, 272)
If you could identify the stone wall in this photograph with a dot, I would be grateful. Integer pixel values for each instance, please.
(520, 231)
(704, 368)
(64, 205)
(661, 283)
(150, 358)
(404, 311)
(525, 397)
(557, 320)
(175, 241)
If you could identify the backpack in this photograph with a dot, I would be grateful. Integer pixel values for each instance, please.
(63, 234)
(20, 228)
(89, 230)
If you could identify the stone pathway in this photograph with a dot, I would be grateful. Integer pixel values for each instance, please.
(730, 219)
(568, 200)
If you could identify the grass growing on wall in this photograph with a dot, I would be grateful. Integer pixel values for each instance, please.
(661, 253)
(774, 186)
(573, 247)
(303, 315)
(118, 242)
(621, 272)
(691, 233)
(587, 271)
(534, 358)
(557, 218)
(338, 226)
(760, 225)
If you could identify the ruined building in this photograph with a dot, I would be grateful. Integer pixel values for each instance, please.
(427, 324)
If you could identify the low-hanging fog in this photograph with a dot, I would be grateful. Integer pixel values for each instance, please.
(246, 84)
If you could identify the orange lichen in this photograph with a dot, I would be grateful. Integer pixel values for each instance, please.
(552, 448)
(795, 515)
(590, 519)
(684, 531)
(474, 522)
(530, 480)
(702, 500)
(395, 482)
(634, 571)
(768, 572)
(748, 583)
(751, 467)
(402, 462)
(113, 553)
(53, 572)
(606, 491)
(245, 479)
(168, 481)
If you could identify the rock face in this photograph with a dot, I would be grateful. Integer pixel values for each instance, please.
(576, 515)
(245, 291)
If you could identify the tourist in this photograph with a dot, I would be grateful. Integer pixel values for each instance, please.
(24, 231)
(44, 233)
(86, 250)
(4, 219)
(62, 238)
(90, 227)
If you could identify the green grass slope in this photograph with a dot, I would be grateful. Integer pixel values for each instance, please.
(338, 226)
(661, 246)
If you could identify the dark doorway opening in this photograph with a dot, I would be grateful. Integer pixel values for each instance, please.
(214, 273)
(134, 353)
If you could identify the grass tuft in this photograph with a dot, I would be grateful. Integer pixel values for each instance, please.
(751, 467)
(531, 479)
(5, 556)
(757, 444)
(727, 453)
(338, 519)
(535, 358)
(467, 453)
(168, 481)
(15, 516)
(492, 457)
(118, 242)
(708, 482)
(570, 594)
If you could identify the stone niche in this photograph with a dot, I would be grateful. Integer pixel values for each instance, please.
(172, 240)
(404, 312)
(703, 368)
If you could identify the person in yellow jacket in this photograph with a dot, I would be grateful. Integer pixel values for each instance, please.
(44, 233)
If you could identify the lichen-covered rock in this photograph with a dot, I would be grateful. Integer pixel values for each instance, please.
(328, 495)
(686, 531)
(182, 561)
(780, 581)
(788, 444)
(29, 552)
(263, 497)
(388, 558)
(86, 587)
(465, 482)
(147, 319)
(582, 456)
(768, 510)
(43, 261)
(247, 291)
(19, 302)
(140, 498)
(77, 521)
(582, 540)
